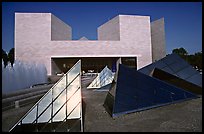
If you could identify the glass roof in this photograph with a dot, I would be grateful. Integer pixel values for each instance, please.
(177, 66)
(104, 78)
(60, 104)
(136, 91)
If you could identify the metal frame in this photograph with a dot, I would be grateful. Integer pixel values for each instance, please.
(50, 119)
(99, 79)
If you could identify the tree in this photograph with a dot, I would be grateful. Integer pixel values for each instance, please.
(198, 59)
(193, 59)
(11, 56)
(180, 51)
(5, 58)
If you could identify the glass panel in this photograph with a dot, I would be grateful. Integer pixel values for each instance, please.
(170, 59)
(187, 72)
(145, 71)
(59, 102)
(30, 117)
(60, 116)
(145, 67)
(180, 59)
(159, 64)
(170, 64)
(76, 113)
(59, 87)
(168, 70)
(104, 78)
(137, 91)
(46, 100)
(151, 67)
(45, 116)
(176, 81)
(73, 73)
(73, 87)
(72, 103)
(177, 66)
(108, 77)
(162, 60)
(97, 82)
(196, 79)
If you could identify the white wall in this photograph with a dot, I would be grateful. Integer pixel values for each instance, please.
(110, 30)
(158, 39)
(130, 37)
(135, 36)
(32, 32)
(60, 30)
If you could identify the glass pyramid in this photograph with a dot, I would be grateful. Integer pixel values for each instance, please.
(135, 91)
(176, 81)
(60, 109)
(175, 65)
(104, 78)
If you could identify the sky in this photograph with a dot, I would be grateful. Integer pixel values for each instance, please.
(183, 20)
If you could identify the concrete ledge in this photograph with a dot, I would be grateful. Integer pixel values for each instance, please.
(21, 102)
(18, 97)
(27, 90)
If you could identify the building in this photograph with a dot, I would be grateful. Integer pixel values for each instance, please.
(132, 40)
(44, 38)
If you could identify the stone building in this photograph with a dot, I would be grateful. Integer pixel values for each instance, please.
(44, 38)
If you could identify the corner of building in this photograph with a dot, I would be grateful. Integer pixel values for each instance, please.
(109, 30)
(158, 39)
(59, 29)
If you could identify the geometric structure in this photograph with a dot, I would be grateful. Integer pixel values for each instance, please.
(176, 81)
(135, 91)
(104, 78)
(48, 40)
(175, 65)
(158, 39)
(83, 38)
(60, 109)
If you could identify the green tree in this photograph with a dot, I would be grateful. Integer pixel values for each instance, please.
(180, 51)
(11, 56)
(198, 59)
(193, 59)
(5, 58)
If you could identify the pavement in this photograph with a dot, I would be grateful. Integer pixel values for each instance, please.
(180, 117)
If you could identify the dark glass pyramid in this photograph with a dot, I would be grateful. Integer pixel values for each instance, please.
(135, 91)
(177, 66)
(176, 81)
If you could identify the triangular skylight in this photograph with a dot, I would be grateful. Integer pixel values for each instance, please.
(104, 78)
(60, 109)
(177, 66)
(135, 91)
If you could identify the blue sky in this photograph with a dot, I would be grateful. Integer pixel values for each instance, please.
(183, 20)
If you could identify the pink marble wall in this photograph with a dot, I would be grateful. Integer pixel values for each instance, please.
(37, 38)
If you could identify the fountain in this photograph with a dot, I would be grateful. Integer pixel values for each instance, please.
(22, 75)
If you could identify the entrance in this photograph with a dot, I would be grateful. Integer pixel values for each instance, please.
(89, 64)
